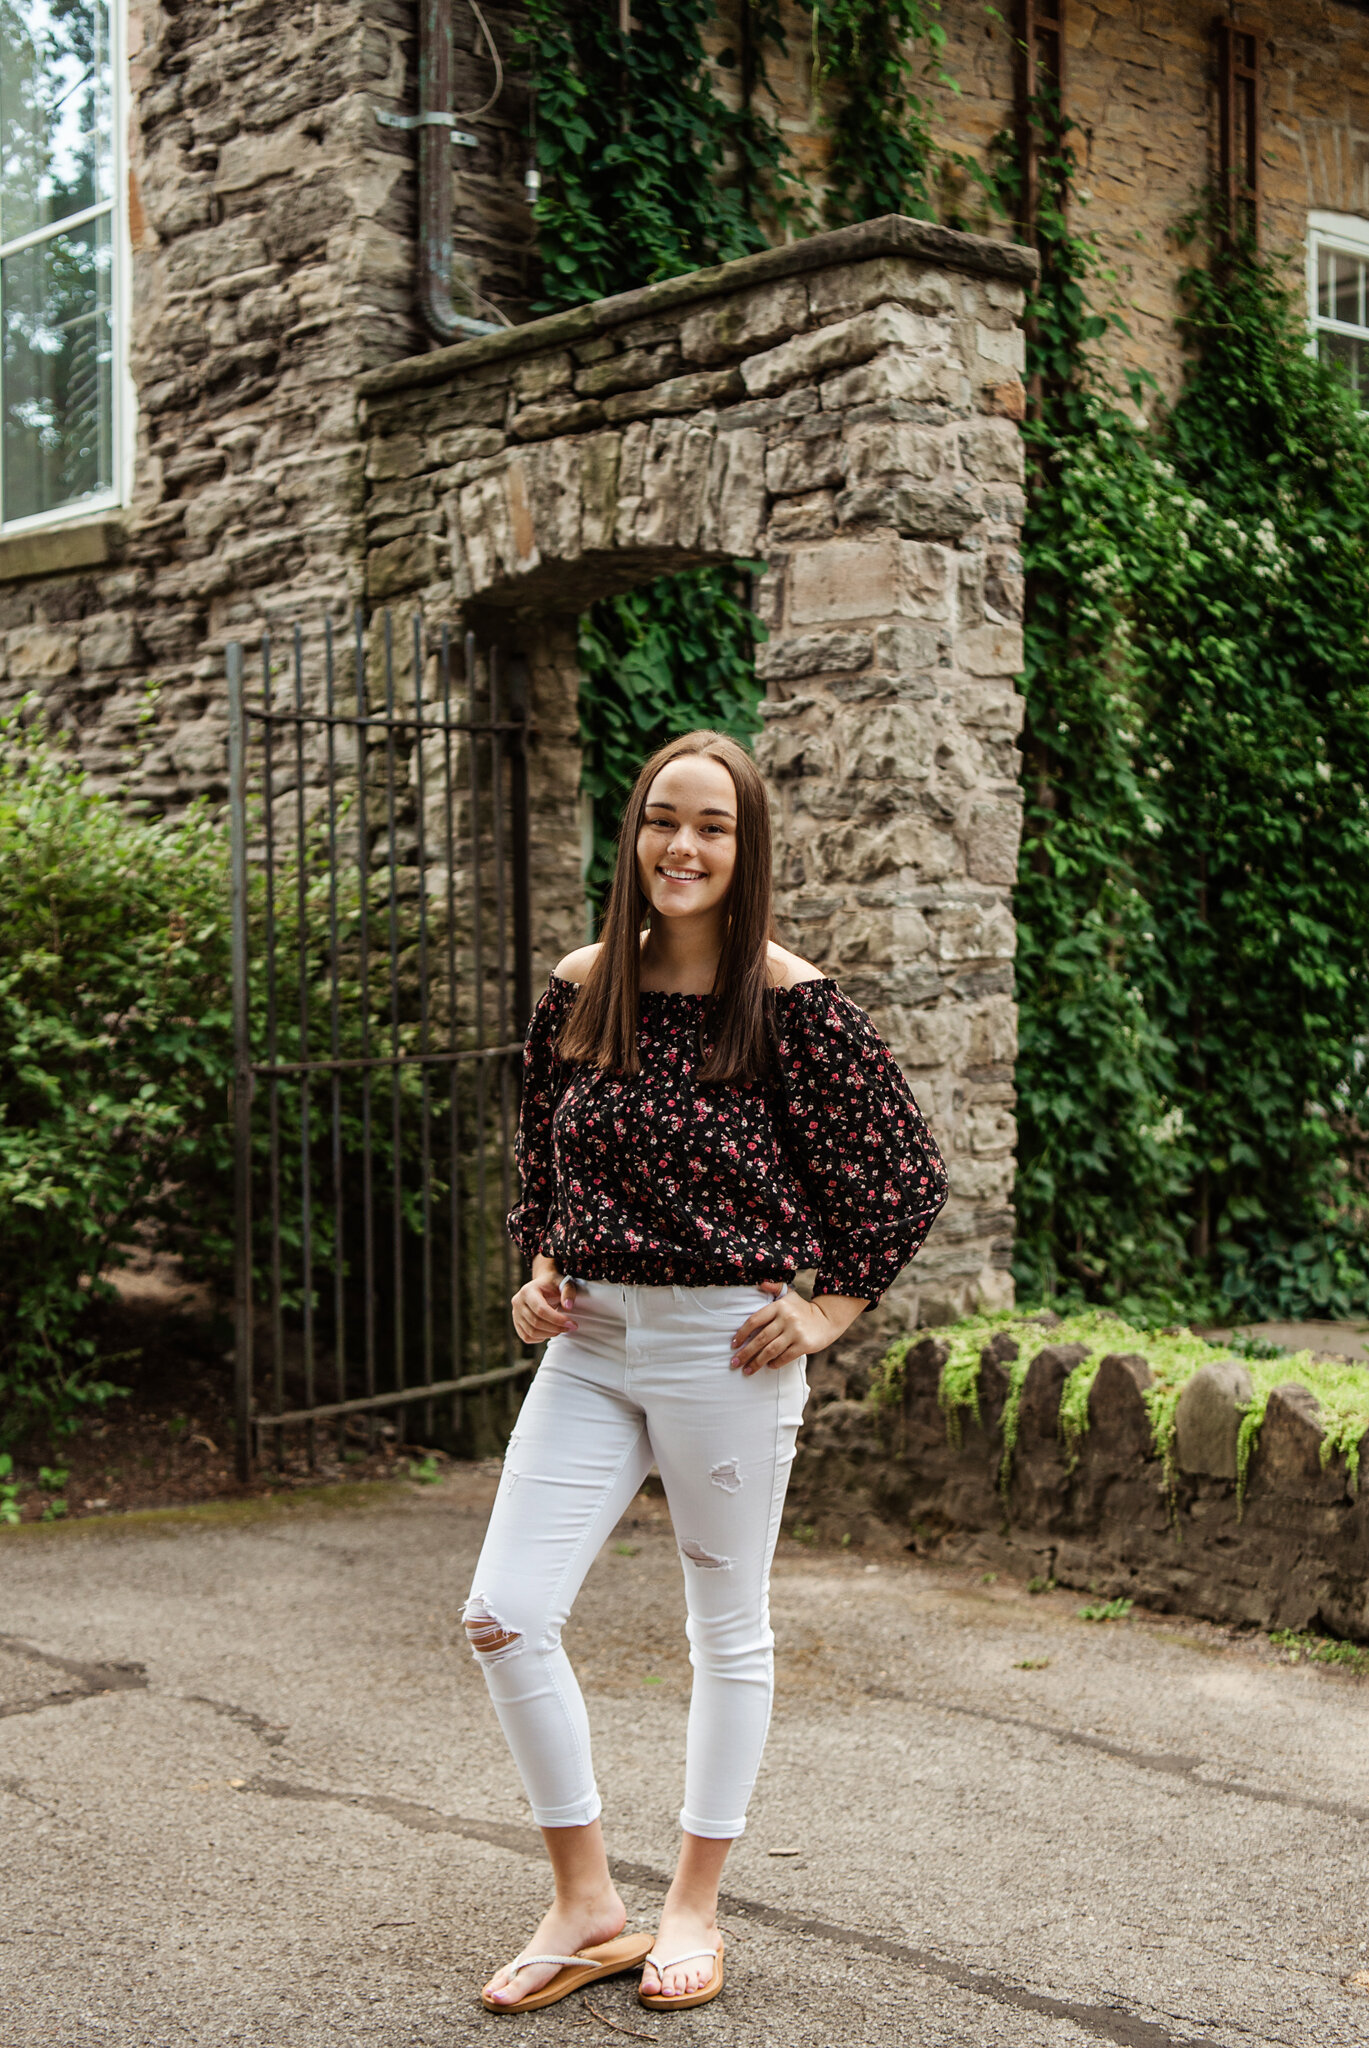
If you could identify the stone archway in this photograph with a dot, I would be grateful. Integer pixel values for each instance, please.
(846, 410)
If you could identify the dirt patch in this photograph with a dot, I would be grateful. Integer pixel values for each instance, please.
(168, 1441)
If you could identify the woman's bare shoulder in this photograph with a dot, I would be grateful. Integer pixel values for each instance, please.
(576, 965)
(787, 970)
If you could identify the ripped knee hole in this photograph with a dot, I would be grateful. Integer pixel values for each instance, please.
(486, 1633)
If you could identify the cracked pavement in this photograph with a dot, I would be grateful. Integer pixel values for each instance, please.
(251, 1793)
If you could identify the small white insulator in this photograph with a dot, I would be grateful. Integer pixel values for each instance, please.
(532, 184)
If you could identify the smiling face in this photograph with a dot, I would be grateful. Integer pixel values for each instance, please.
(687, 846)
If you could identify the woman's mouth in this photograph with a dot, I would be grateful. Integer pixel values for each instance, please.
(681, 875)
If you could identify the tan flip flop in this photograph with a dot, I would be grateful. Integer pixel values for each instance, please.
(659, 2002)
(606, 1959)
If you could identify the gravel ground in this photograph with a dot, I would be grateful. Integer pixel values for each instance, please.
(251, 1793)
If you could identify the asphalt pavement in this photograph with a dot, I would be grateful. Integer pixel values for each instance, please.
(251, 1793)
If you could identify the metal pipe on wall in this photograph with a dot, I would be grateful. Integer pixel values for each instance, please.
(436, 128)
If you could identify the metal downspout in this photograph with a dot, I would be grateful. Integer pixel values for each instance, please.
(436, 124)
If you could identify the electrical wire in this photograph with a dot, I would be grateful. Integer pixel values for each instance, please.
(498, 66)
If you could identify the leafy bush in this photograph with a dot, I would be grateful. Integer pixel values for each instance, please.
(114, 1051)
(116, 1068)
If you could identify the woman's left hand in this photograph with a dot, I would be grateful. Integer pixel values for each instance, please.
(788, 1327)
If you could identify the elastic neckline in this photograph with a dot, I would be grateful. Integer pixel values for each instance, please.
(674, 995)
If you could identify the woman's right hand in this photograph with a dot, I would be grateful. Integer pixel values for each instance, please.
(539, 1307)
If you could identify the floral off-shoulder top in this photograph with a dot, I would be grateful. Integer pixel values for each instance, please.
(651, 1179)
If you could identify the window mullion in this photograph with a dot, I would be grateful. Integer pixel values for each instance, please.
(66, 225)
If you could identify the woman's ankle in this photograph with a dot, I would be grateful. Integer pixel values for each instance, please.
(595, 1901)
(698, 1901)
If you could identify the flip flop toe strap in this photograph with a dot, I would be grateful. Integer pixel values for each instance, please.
(659, 1967)
(565, 1962)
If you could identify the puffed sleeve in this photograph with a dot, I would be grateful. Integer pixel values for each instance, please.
(544, 1074)
(857, 1140)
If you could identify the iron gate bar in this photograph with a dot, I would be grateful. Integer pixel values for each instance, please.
(388, 1059)
(401, 1397)
(305, 1101)
(478, 963)
(363, 857)
(501, 720)
(273, 1093)
(242, 1076)
(454, 1104)
(335, 1025)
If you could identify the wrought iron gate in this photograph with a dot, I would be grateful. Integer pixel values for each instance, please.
(381, 987)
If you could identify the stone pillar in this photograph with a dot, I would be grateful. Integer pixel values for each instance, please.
(556, 886)
(893, 600)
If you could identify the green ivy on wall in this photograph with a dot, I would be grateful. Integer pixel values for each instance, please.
(1194, 886)
(645, 171)
(871, 55)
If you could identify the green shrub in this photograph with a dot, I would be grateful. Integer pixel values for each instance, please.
(114, 1052)
(116, 1066)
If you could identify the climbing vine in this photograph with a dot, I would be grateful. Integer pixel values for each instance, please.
(1195, 874)
(645, 171)
(871, 56)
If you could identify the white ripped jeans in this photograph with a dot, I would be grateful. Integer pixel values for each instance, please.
(646, 1378)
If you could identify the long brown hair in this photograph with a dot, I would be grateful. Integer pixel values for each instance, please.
(602, 1027)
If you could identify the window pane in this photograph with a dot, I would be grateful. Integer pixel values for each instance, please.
(1346, 306)
(1325, 281)
(1351, 357)
(57, 370)
(54, 111)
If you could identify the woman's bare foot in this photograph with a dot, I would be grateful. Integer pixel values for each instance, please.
(569, 1926)
(683, 1927)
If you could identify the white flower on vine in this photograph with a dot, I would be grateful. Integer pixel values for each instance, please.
(1168, 1130)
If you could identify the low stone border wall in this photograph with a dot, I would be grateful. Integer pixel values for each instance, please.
(1105, 1516)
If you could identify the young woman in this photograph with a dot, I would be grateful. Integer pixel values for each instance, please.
(704, 1114)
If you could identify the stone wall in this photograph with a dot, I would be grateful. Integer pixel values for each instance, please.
(1293, 1554)
(272, 227)
(845, 410)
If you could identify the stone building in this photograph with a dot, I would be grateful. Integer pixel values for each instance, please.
(224, 409)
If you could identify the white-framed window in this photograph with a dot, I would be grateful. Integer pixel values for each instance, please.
(63, 262)
(1338, 294)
